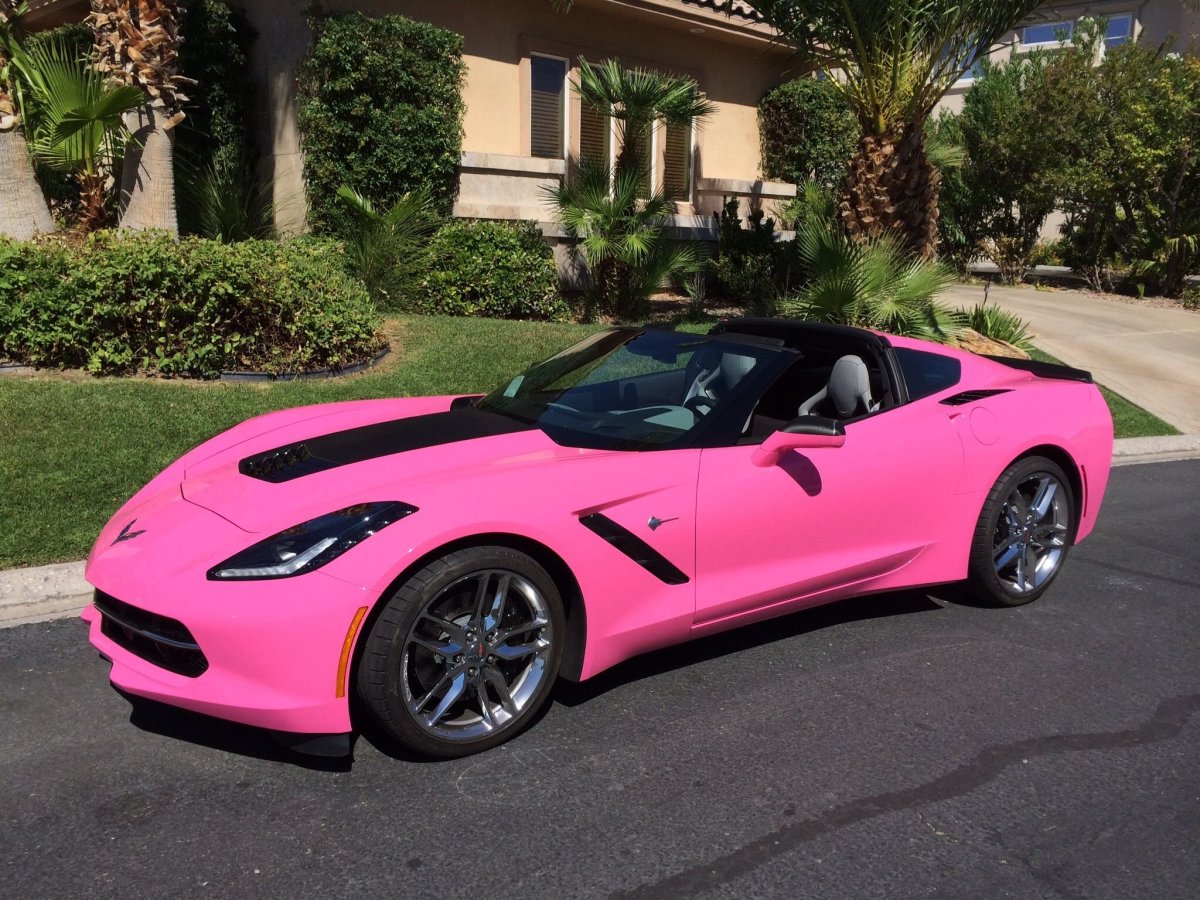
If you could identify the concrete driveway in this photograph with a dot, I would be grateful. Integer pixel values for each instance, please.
(1148, 355)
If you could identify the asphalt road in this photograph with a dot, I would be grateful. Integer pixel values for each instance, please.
(892, 747)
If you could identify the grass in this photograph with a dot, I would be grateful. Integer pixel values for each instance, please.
(73, 448)
(1129, 420)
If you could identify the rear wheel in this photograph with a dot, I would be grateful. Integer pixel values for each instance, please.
(1023, 534)
(464, 653)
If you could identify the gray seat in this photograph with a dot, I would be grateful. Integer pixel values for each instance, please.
(725, 374)
(848, 393)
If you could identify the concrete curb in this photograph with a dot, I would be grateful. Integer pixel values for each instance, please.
(43, 593)
(1134, 451)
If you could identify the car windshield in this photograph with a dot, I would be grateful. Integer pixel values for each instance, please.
(630, 390)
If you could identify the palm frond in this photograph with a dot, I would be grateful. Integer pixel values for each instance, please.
(387, 249)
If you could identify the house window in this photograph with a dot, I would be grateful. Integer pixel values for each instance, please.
(1118, 31)
(548, 80)
(1047, 34)
(974, 70)
(595, 136)
(677, 162)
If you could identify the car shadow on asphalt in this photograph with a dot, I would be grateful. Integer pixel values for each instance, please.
(229, 737)
(244, 740)
(760, 634)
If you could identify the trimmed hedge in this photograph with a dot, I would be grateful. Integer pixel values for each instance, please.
(123, 304)
(380, 110)
(808, 131)
(501, 270)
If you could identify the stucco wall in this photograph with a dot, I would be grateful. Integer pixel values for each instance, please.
(733, 70)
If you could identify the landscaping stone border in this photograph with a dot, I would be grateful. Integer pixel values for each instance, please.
(21, 369)
(304, 376)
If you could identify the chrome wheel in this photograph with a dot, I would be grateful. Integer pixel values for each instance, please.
(1031, 534)
(476, 655)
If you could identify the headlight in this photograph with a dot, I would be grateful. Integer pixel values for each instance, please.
(312, 544)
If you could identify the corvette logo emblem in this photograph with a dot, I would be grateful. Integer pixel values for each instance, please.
(126, 534)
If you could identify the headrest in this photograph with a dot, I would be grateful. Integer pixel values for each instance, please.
(850, 385)
(735, 367)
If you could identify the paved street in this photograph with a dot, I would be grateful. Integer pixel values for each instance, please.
(892, 747)
(1149, 355)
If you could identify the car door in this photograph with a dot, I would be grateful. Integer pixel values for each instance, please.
(822, 519)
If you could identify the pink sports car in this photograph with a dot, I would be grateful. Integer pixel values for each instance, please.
(446, 559)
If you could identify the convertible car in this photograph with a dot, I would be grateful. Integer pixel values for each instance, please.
(443, 560)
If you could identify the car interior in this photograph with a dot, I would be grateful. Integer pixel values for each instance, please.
(838, 375)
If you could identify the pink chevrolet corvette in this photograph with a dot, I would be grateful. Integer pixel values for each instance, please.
(447, 559)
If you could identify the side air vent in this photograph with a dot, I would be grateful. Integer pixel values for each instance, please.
(971, 396)
(635, 548)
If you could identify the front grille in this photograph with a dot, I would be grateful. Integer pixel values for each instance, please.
(156, 639)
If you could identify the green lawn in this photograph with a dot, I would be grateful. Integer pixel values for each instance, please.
(73, 448)
(1128, 420)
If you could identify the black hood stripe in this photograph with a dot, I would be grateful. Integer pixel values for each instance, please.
(355, 445)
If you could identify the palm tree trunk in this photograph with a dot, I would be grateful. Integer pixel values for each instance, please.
(23, 209)
(137, 42)
(891, 186)
(148, 174)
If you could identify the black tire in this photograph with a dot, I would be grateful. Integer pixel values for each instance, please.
(994, 534)
(390, 681)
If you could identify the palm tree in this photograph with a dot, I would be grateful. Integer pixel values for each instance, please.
(638, 99)
(77, 127)
(620, 234)
(871, 283)
(388, 250)
(893, 60)
(23, 209)
(615, 214)
(137, 44)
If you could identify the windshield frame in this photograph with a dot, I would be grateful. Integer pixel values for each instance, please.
(720, 428)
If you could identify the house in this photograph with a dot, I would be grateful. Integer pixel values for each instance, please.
(1150, 21)
(523, 121)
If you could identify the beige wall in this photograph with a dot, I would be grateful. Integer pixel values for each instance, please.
(734, 65)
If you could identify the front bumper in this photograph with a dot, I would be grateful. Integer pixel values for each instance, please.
(272, 654)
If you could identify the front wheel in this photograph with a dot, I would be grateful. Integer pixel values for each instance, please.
(465, 652)
(1023, 533)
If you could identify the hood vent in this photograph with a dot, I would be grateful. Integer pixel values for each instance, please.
(971, 396)
(355, 445)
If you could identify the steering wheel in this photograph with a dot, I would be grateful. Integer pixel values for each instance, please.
(562, 407)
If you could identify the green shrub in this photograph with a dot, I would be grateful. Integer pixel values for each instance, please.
(753, 267)
(997, 323)
(215, 53)
(380, 110)
(808, 131)
(747, 260)
(500, 270)
(1191, 297)
(144, 303)
(219, 190)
